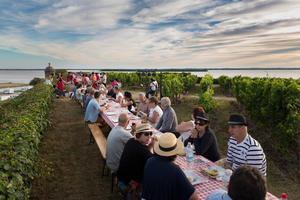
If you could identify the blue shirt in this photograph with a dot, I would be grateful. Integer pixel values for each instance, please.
(218, 195)
(92, 111)
(164, 180)
(86, 103)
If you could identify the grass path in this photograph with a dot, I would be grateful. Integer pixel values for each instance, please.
(76, 164)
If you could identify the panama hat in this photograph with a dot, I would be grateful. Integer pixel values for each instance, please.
(168, 145)
(142, 128)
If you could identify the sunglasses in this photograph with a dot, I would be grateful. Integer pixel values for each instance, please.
(147, 133)
(200, 124)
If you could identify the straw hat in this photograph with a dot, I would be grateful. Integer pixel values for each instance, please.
(142, 128)
(168, 145)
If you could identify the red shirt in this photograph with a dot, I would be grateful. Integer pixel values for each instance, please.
(60, 85)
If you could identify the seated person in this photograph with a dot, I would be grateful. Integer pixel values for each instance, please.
(78, 91)
(116, 141)
(143, 105)
(110, 91)
(129, 102)
(56, 92)
(90, 92)
(168, 121)
(242, 148)
(135, 154)
(246, 183)
(163, 179)
(93, 109)
(203, 139)
(119, 95)
(185, 128)
(155, 112)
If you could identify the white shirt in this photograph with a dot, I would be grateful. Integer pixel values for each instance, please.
(247, 152)
(153, 85)
(104, 78)
(119, 95)
(160, 113)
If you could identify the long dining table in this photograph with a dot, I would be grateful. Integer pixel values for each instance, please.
(208, 185)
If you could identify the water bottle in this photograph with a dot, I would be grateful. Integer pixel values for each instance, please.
(189, 156)
(283, 196)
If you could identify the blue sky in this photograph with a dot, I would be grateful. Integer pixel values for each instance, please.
(150, 33)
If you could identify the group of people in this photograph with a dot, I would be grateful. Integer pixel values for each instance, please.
(143, 162)
(147, 164)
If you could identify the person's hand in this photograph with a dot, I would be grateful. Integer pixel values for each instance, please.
(194, 133)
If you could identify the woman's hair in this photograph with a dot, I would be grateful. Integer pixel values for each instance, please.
(117, 88)
(127, 94)
(197, 110)
(153, 100)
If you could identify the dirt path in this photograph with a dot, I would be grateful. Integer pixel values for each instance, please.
(76, 164)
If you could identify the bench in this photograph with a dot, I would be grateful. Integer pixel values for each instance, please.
(99, 138)
(101, 143)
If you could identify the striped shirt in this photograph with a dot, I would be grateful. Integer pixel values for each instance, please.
(248, 152)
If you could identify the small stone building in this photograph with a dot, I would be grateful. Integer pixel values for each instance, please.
(49, 72)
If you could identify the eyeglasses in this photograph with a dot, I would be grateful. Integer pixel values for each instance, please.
(200, 124)
(148, 133)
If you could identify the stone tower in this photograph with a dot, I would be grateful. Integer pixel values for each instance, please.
(49, 72)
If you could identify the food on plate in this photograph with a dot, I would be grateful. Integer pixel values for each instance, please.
(182, 153)
(213, 172)
(190, 179)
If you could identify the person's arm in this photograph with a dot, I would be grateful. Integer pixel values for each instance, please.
(184, 127)
(154, 118)
(201, 146)
(128, 103)
(166, 126)
(229, 160)
(119, 100)
(194, 196)
(159, 123)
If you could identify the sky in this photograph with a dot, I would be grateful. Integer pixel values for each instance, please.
(149, 33)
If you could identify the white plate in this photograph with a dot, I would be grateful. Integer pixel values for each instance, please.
(114, 120)
(221, 171)
(195, 178)
(111, 113)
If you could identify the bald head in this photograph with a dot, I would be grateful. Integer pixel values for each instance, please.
(123, 119)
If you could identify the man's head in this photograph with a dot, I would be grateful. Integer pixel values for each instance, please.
(237, 127)
(97, 95)
(123, 120)
(142, 97)
(143, 133)
(247, 183)
(165, 102)
(201, 122)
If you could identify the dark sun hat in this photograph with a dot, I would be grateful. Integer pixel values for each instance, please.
(237, 119)
(202, 116)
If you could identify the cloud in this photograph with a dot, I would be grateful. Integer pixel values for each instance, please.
(152, 33)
